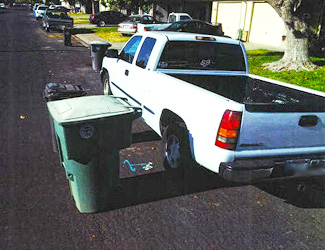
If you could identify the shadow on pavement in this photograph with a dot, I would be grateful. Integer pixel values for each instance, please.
(163, 185)
(146, 136)
(304, 193)
(77, 31)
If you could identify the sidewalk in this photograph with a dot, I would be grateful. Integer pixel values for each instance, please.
(86, 39)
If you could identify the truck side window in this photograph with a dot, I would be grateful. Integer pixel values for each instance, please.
(145, 52)
(128, 52)
(172, 19)
(183, 17)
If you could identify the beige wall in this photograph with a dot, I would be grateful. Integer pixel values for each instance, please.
(267, 27)
(258, 21)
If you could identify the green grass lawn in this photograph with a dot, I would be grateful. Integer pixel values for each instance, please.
(309, 79)
(80, 18)
(108, 33)
(111, 34)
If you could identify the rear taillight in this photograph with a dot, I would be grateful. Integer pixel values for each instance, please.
(228, 130)
(92, 17)
(134, 27)
(118, 26)
(145, 28)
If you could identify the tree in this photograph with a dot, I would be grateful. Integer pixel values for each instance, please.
(130, 5)
(300, 18)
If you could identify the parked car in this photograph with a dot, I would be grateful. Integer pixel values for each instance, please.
(35, 7)
(107, 17)
(129, 26)
(196, 26)
(56, 20)
(2, 6)
(40, 10)
(59, 8)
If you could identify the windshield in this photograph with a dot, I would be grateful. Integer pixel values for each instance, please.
(174, 26)
(62, 15)
(202, 56)
(133, 19)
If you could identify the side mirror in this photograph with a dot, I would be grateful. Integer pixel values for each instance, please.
(112, 53)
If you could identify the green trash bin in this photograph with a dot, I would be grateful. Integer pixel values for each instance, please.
(90, 131)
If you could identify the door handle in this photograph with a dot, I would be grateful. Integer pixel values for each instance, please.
(126, 72)
(308, 121)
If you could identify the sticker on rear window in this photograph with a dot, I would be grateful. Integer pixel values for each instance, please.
(205, 62)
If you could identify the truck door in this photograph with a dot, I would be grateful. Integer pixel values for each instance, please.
(123, 81)
(144, 80)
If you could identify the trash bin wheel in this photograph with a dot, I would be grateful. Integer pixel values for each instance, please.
(176, 147)
(106, 84)
(101, 23)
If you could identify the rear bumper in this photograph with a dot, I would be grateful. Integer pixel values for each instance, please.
(126, 31)
(253, 170)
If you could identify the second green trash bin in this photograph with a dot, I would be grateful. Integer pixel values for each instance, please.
(90, 131)
(97, 52)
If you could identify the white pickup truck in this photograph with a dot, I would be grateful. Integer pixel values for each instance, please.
(172, 18)
(196, 92)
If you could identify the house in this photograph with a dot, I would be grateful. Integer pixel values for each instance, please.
(198, 9)
(253, 21)
(82, 7)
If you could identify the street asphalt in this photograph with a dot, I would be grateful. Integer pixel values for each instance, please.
(154, 209)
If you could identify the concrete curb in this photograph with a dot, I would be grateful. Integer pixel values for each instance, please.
(81, 41)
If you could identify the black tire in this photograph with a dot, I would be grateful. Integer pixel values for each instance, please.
(176, 147)
(106, 84)
(101, 23)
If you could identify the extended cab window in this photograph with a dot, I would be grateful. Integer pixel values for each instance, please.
(127, 54)
(184, 17)
(145, 52)
(202, 56)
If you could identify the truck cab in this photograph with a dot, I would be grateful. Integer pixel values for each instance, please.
(175, 17)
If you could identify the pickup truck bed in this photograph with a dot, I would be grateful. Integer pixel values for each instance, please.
(258, 95)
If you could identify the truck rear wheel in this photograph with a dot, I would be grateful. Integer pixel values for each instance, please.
(176, 146)
(106, 84)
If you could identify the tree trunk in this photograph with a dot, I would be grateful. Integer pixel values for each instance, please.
(296, 55)
(93, 7)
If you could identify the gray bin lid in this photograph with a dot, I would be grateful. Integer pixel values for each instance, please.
(87, 108)
(99, 43)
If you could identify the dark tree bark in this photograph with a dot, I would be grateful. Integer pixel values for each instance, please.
(299, 17)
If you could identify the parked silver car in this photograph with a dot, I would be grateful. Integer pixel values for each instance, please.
(129, 25)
